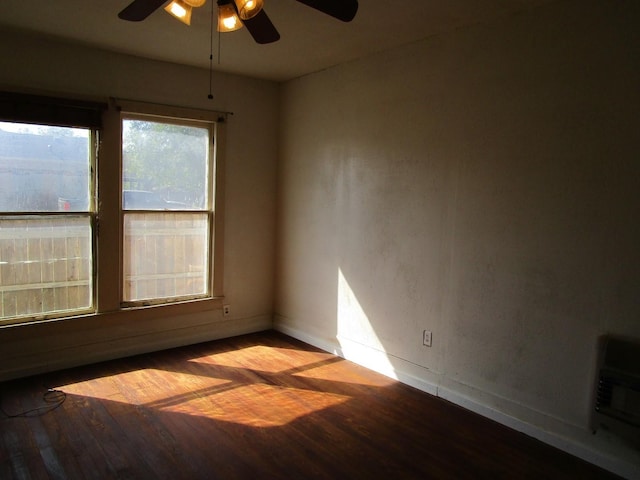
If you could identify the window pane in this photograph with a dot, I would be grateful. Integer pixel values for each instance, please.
(45, 265)
(166, 255)
(165, 166)
(44, 168)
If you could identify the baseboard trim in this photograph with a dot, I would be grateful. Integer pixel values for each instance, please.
(578, 447)
(132, 343)
(403, 371)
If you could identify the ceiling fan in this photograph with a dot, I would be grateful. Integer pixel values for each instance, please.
(233, 14)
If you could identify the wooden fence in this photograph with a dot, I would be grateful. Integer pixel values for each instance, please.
(45, 265)
(165, 255)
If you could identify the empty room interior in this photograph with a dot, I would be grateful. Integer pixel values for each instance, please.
(441, 198)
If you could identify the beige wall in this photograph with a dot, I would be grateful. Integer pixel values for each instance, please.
(481, 184)
(44, 65)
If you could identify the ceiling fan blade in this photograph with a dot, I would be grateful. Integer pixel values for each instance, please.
(344, 10)
(261, 28)
(140, 9)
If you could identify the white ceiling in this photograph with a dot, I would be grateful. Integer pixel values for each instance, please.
(310, 40)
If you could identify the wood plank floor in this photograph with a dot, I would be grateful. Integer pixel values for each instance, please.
(255, 407)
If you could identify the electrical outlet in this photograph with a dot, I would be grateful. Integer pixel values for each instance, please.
(226, 310)
(426, 338)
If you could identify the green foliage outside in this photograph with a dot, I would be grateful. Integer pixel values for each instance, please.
(169, 159)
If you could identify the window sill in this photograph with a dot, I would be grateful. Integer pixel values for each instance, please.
(141, 312)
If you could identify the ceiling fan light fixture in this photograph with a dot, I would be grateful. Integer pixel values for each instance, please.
(180, 10)
(228, 19)
(248, 8)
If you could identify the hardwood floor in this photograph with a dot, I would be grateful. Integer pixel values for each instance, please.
(256, 407)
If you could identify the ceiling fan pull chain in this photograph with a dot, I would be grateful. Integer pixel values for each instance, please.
(210, 96)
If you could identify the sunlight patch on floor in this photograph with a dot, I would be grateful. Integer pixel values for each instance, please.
(259, 405)
(328, 373)
(247, 400)
(265, 358)
(140, 387)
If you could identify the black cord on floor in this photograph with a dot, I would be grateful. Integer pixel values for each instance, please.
(52, 398)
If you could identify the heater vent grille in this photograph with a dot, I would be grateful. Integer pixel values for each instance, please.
(617, 399)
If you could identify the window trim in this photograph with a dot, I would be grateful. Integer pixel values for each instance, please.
(106, 202)
(105, 211)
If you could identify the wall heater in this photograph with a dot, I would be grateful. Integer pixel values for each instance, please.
(617, 402)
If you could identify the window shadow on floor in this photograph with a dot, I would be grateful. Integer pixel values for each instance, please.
(256, 407)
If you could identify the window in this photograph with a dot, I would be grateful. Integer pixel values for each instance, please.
(106, 208)
(46, 220)
(167, 209)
